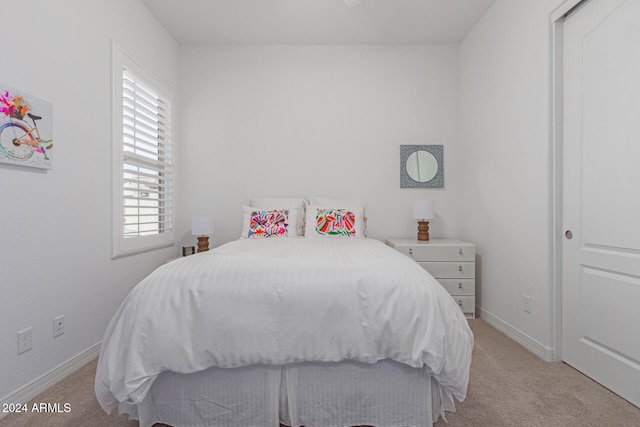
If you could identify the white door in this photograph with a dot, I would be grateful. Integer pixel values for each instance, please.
(601, 194)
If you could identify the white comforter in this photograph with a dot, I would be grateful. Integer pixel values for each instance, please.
(282, 301)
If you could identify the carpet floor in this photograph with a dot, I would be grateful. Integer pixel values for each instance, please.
(509, 386)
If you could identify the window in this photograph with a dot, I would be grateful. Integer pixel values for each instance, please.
(143, 167)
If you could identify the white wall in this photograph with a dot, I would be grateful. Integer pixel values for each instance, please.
(316, 121)
(55, 230)
(505, 145)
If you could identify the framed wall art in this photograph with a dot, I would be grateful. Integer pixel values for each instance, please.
(26, 129)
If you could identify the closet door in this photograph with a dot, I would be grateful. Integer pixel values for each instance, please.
(601, 194)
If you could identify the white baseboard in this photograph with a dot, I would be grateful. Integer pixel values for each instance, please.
(547, 354)
(54, 376)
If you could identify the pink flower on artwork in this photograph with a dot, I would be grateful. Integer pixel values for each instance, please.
(15, 107)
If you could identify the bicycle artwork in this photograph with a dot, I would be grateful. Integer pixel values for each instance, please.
(25, 124)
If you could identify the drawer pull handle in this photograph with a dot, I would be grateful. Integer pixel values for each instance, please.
(460, 251)
(411, 251)
(460, 302)
(460, 285)
(460, 268)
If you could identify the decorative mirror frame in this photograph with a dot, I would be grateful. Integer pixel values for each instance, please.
(406, 181)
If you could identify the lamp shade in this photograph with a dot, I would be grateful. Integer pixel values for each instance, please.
(423, 209)
(201, 225)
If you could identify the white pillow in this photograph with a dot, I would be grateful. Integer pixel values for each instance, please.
(274, 224)
(270, 203)
(334, 221)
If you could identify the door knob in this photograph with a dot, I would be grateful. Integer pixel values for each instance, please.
(568, 234)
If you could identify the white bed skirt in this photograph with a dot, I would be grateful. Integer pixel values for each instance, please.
(385, 394)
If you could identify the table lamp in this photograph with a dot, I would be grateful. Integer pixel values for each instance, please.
(202, 226)
(423, 211)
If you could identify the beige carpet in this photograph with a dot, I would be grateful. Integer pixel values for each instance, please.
(509, 387)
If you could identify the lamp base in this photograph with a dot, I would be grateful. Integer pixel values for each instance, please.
(203, 243)
(423, 231)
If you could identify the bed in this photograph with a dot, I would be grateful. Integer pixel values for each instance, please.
(298, 331)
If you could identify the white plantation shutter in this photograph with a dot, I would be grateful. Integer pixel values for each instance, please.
(143, 184)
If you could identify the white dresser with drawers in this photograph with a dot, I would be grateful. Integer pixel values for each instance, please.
(451, 262)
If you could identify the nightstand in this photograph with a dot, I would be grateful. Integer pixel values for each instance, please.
(451, 262)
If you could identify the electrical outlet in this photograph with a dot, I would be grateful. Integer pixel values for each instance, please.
(58, 326)
(526, 303)
(25, 340)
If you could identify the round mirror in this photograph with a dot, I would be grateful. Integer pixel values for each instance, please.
(422, 166)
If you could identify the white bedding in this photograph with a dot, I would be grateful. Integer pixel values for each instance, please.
(278, 302)
(318, 394)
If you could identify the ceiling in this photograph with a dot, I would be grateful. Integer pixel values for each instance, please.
(317, 21)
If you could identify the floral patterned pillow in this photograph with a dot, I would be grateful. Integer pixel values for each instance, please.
(335, 222)
(329, 221)
(296, 208)
(260, 222)
(272, 223)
